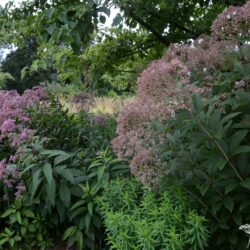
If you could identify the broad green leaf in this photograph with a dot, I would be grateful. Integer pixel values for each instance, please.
(8, 212)
(65, 194)
(28, 213)
(67, 175)
(100, 173)
(51, 191)
(237, 138)
(78, 204)
(90, 208)
(229, 204)
(70, 231)
(79, 239)
(87, 221)
(36, 180)
(230, 187)
(48, 173)
(237, 218)
(246, 183)
(244, 204)
(242, 149)
(49, 12)
(61, 158)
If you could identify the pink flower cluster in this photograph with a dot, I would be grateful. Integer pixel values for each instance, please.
(13, 116)
(9, 177)
(164, 87)
(233, 23)
(14, 129)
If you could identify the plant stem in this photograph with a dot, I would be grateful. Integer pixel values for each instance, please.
(221, 150)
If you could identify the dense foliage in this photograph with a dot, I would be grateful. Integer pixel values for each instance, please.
(201, 143)
(65, 180)
(64, 30)
(136, 218)
(19, 60)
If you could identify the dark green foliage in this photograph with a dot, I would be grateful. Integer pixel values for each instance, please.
(63, 190)
(16, 61)
(137, 218)
(25, 227)
(207, 151)
(71, 132)
(115, 63)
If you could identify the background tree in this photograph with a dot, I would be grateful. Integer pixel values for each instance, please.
(19, 59)
(65, 29)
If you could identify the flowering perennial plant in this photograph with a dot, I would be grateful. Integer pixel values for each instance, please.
(166, 85)
(14, 130)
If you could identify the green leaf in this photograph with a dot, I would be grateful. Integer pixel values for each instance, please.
(36, 180)
(51, 28)
(229, 117)
(65, 194)
(90, 208)
(51, 191)
(242, 149)
(100, 173)
(246, 183)
(49, 12)
(28, 213)
(69, 232)
(47, 170)
(229, 204)
(237, 218)
(79, 239)
(8, 212)
(231, 186)
(61, 158)
(67, 175)
(87, 221)
(244, 204)
(237, 138)
(18, 217)
(78, 204)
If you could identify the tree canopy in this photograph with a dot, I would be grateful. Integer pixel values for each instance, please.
(65, 30)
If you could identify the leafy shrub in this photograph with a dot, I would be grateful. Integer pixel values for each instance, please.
(212, 64)
(207, 152)
(25, 227)
(62, 188)
(203, 143)
(137, 218)
(71, 132)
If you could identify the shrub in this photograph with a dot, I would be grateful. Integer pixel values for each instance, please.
(137, 218)
(207, 152)
(70, 132)
(213, 64)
